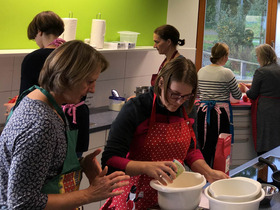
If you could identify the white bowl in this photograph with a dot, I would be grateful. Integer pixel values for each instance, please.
(226, 205)
(183, 193)
(237, 189)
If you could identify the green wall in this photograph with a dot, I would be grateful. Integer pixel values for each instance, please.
(142, 16)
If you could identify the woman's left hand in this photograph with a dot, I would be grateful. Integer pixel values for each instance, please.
(215, 175)
(210, 174)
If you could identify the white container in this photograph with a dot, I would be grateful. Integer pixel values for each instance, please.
(114, 45)
(184, 193)
(215, 204)
(116, 103)
(128, 36)
(237, 189)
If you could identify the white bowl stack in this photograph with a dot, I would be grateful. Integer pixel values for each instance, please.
(237, 193)
(184, 193)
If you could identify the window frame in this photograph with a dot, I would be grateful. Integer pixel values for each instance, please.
(270, 28)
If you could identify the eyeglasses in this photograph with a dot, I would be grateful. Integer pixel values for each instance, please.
(177, 97)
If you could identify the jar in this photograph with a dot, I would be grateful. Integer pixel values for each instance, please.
(116, 103)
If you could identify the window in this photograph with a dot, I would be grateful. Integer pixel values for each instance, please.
(242, 25)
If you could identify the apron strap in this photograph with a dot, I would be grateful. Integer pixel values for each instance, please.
(153, 119)
(210, 105)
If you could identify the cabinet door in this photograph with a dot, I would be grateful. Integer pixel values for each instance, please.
(243, 148)
(96, 140)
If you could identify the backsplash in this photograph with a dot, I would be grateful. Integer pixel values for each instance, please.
(127, 70)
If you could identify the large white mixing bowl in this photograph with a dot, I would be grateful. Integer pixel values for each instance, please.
(237, 189)
(227, 205)
(184, 193)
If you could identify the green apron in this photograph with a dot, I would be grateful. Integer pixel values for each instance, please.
(70, 177)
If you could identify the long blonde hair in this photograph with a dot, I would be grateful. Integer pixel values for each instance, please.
(266, 54)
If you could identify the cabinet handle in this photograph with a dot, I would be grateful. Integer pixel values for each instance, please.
(241, 115)
(242, 127)
(236, 140)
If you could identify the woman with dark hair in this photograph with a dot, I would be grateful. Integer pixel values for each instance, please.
(45, 29)
(265, 93)
(150, 131)
(166, 39)
(39, 168)
(215, 84)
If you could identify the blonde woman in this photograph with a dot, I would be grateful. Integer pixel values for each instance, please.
(39, 168)
(265, 93)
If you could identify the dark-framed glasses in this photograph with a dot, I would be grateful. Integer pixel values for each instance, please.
(177, 96)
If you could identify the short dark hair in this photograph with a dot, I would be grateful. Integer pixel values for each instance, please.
(179, 69)
(69, 65)
(169, 32)
(47, 22)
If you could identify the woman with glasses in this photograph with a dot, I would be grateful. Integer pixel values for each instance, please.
(215, 84)
(151, 131)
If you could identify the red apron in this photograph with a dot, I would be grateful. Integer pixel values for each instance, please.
(164, 142)
(154, 76)
(254, 109)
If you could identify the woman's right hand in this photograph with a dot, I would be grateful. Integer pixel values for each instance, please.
(243, 87)
(159, 170)
(104, 186)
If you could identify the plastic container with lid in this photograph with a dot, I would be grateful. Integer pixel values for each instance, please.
(128, 36)
(116, 103)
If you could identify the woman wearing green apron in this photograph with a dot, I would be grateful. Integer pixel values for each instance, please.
(39, 168)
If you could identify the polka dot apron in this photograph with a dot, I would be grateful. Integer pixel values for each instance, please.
(164, 142)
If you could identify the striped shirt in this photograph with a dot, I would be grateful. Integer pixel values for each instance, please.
(217, 83)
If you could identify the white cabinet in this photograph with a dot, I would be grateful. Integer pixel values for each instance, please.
(243, 148)
(97, 140)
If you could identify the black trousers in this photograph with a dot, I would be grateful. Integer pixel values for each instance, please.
(208, 148)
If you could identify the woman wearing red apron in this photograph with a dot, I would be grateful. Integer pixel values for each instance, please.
(166, 38)
(265, 93)
(150, 131)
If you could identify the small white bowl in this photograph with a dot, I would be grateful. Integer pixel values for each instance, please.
(226, 205)
(237, 189)
(184, 193)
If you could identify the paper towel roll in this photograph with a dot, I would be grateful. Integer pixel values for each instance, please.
(98, 29)
(70, 26)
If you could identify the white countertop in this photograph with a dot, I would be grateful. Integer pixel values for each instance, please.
(20, 52)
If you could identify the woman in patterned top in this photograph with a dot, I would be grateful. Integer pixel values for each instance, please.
(215, 84)
(38, 163)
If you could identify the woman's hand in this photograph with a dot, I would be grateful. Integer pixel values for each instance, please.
(160, 170)
(215, 175)
(103, 186)
(243, 87)
(210, 174)
(91, 166)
